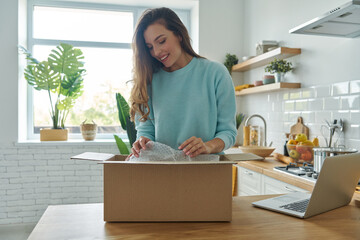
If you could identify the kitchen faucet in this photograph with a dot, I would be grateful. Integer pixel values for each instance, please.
(257, 115)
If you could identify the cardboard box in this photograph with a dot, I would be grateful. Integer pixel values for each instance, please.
(165, 191)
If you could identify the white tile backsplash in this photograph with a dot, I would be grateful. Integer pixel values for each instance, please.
(285, 96)
(289, 106)
(321, 116)
(350, 102)
(322, 91)
(355, 86)
(301, 105)
(308, 93)
(308, 117)
(355, 117)
(341, 88)
(295, 95)
(343, 114)
(332, 103)
(353, 132)
(315, 104)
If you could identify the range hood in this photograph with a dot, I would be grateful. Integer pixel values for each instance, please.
(343, 21)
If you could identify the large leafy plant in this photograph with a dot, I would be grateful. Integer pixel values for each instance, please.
(126, 124)
(61, 75)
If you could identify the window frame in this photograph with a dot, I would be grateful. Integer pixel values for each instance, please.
(31, 41)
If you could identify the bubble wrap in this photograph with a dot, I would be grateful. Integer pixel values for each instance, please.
(160, 152)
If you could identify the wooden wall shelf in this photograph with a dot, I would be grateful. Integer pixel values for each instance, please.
(266, 58)
(268, 88)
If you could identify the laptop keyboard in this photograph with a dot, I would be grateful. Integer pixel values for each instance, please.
(297, 206)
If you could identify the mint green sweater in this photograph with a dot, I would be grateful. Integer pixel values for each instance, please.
(196, 100)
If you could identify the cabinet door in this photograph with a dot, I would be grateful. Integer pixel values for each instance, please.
(274, 186)
(248, 182)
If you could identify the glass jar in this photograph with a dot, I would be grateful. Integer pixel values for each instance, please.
(255, 136)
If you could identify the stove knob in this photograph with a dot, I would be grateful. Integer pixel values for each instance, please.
(315, 175)
(309, 174)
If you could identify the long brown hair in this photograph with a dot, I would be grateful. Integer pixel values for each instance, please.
(144, 64)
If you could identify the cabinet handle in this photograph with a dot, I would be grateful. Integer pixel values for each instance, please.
(248, 173)
(289, 189)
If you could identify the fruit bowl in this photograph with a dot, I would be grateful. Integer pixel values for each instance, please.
(257, 150)
(301, 153)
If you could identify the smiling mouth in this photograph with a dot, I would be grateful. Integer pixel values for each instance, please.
(164, 58)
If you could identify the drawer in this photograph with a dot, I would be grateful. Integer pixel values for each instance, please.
(274, 186)
(248, 182)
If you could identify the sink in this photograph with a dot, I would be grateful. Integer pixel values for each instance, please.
(257, 150)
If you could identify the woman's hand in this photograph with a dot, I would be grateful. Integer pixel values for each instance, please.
(194, 146)
(138, 145)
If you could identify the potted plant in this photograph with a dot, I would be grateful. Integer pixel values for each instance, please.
(239, 119)
(126, 124)
(61, 75)
(279, 68)
(230, 61)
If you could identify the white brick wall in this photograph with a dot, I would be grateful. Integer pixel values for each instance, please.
(35, 175)
(315, 104)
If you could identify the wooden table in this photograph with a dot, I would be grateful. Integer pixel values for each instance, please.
(84, 221)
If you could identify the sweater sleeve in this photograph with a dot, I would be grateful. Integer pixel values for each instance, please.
(226, 108)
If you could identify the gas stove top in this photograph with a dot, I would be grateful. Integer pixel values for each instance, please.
(305, 171)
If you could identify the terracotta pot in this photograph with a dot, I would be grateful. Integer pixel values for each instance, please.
(49, 134)
(88, 130)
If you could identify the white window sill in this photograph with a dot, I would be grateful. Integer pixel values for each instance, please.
(72, 142)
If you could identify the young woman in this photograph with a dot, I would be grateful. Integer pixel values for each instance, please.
(179, 98)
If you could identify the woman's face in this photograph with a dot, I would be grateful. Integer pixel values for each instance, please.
(165, 47)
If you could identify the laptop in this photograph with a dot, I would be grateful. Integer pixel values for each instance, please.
(334, 188)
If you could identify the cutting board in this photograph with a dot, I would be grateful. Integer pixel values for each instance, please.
(299, 127)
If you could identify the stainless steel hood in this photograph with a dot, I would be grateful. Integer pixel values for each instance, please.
(343, 21)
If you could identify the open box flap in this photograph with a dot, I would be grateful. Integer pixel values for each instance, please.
(172, 162)
(112, 158)
(93, 156)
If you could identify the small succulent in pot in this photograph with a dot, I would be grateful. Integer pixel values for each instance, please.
(279, 66)
(230, 61)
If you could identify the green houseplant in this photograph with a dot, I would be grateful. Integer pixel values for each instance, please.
(239, 119)
(230, 61)
(126, 124)
(279, 68)
(61, 75)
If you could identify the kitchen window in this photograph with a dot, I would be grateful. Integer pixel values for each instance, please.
(104, 33)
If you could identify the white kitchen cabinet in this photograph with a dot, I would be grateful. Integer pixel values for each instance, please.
(274, 186)
(253, 183)
(249, 182)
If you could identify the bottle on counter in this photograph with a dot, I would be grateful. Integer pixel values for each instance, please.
(255, 136)
(246, 130)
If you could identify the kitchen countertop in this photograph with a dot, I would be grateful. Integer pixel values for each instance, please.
(85, 221)
(266, 167)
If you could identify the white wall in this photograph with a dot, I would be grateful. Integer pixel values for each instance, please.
(220, 30)
(8, 70)
(328, 69)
